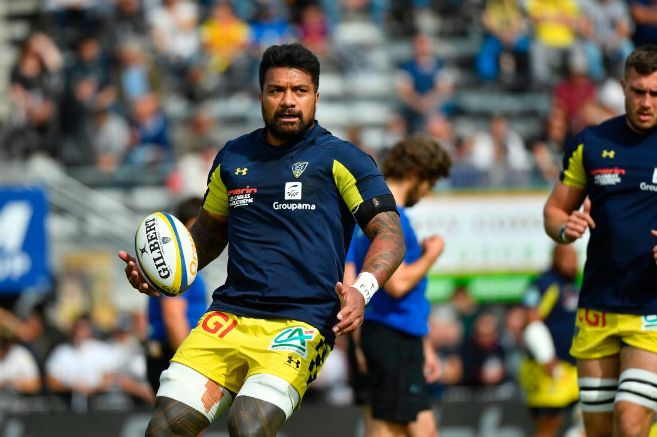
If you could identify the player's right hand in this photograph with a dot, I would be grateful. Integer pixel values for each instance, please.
(578, 221)
(134, 275)
(433, 246)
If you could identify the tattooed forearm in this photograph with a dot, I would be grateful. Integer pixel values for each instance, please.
(387, 248)
(210, 236)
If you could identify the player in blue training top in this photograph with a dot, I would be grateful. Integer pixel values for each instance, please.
(615, 339)
(285, 199)
(393, 353)
(548, 375)
(170, 318)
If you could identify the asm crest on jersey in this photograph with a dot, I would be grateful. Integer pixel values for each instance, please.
(293, 339)
(298, 168)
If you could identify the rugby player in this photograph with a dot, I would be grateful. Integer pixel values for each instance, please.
(611, 170)
(285, 198)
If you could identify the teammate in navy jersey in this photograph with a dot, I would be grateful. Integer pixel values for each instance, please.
(171, 318)
(392, 354)
(285, 198)
(615, 339)
(548, 374)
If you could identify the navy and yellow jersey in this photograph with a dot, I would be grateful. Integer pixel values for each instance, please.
(617, 168)
(290, 223)
(555, 299)
(409, 313)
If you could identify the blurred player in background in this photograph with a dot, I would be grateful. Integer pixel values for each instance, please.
(615, 340)
(392, 353)
(285, 198)
(548, 376)
(171, 318)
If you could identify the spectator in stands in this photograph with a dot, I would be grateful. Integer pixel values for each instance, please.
(225, 40)
(506, 42)
(607, 29)
(175, 34)
(445, 337)
(574, 92)
(19, 372)
(482, 353)
(77, 369)
(269, 26)
(127, 368)
(644, 15)
(423, 84)
(314, 30)
(110, 138)
(88, 85)
(499, 154)
(197, 144)
(556, 25)
(548, 150)
(128, 20)
(440, 128)
(466, 306)
(33, 93)
(137, 74)
(150, 142)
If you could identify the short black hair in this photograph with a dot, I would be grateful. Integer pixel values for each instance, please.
(643, 60)
(188, 209)
(292, 55)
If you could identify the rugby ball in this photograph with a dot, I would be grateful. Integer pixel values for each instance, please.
(165, 252)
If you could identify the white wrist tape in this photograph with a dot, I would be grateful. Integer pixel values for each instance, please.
(367, 284)
(538, 341)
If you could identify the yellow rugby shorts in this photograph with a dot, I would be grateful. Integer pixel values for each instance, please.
(228, 349)
(600, 334)
(543, 390)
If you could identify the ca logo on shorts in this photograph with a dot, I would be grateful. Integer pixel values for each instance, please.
(649, 322)
(293, 339)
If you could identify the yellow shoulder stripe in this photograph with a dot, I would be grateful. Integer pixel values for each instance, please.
(346, 184)
(217, 199)
(548, 301)
(574, 174)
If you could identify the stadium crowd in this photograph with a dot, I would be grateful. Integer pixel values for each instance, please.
(129, 88)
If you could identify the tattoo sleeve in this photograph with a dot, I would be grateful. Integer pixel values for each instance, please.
(210, 234)
(387, 248)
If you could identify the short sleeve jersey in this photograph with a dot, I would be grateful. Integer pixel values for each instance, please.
(409, 313)
(290, 223)
(618, 169)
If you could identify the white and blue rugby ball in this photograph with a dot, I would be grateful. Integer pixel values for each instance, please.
(165, 253)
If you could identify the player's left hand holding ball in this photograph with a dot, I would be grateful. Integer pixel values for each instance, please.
(134, 275)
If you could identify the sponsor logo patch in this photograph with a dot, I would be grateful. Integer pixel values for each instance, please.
(293, 190)
(649, 322)
(607, 176)
(241, 196)
(294, 339)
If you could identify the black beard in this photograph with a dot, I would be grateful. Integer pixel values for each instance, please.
(284, 134)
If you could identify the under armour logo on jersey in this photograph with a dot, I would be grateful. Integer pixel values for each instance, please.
(298, 168)
(608, 154)
(241, 171)
(291, 361)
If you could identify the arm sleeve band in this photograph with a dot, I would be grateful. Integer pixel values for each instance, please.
(538, 342)
(367, 209)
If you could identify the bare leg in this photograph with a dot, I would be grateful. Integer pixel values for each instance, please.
(548, 425)
(599, 424)
(173, 418)
(251, 417)
(632, 419)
